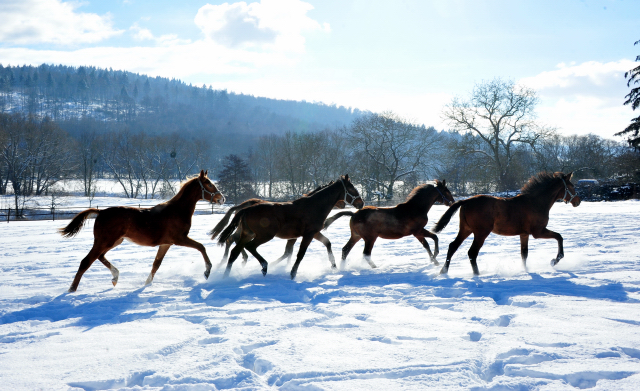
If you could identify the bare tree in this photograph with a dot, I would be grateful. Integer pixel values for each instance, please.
(390, 148)
(502, 114)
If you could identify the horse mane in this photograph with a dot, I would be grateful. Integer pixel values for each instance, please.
(317, 189)
(539, 183)
(421, 190)
(184, 184)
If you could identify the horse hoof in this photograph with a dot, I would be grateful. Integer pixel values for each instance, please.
(554, 261)
(444, 270)
(114, 282)
(264, 272)
(71, 290)
(293, 275)
(435, 262)
(206, 274)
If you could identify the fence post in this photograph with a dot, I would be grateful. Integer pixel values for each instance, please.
(53, 212)
(9, 215)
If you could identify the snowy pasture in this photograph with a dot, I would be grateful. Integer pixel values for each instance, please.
(400, 326)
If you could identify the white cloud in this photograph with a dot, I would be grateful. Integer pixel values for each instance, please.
(27, 22)
(143, 34)
(270, 24)
(584, 98)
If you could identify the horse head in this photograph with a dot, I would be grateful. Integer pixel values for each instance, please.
(209, 190)
(351, 195)
(570, 193)
(447, 198)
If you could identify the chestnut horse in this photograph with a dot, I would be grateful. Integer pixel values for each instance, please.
(163, 225)
(236, 235)
(525, 214)
(407, 218)
(288, 220)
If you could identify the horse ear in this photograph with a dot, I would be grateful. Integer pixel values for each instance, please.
(444, 182)
(346, 177)
(206, 172)
(569, 175)
(202, 174)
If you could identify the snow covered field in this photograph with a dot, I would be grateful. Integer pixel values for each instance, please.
(400, 326)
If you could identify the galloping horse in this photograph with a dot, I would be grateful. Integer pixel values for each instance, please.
(288, 220)
(407, 218)
(525, 214)
(236, 235)
(163, 225)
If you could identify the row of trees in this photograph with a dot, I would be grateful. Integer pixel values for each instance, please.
(496, 144)
(35, 155)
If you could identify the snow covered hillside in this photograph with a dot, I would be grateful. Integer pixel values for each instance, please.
(400, 326)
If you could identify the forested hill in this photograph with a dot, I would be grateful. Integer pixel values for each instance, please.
(157, 104)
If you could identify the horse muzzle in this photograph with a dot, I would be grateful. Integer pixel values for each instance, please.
(576, 201)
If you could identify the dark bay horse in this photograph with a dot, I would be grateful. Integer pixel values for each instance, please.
(525, 214)
(303, 217)
(236, 235)
(163, 225)
(407, 218)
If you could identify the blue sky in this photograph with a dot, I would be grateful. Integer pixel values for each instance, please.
(411, 57)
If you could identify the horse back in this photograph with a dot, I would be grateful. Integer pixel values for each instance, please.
(502, 216)
(388, 223)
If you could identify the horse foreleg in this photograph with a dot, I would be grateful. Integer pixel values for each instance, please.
(288, 251)
(524, 249)
(188, 242)
(252, 247)
(157, 262)
(453, 247)
(114, 271)
(227, 246)
(323, 239)
(421, 238)
(232, 257)
(547, 234)
(368, 247)
(306, 240)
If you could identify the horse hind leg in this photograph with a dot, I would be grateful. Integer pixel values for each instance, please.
(114, 271)
(347, 247)
(524, 249)
(288, 251)
(84, 266)
(368, 247)
(162, 251)
(478, 241)
(453, 247)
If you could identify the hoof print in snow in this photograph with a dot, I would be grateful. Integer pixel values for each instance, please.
(475, 336)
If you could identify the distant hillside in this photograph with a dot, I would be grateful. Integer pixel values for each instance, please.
(158, 105)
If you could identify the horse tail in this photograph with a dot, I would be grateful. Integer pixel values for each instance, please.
(222, 239)
(446, 217)
(77, 223)
(335, 217)
(223, 223)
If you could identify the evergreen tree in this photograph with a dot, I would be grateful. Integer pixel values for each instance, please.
(235, 179)
(633, 99)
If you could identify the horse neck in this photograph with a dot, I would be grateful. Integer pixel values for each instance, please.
(547, 199)
(425, 201)
(325, 198)
(187, 197)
